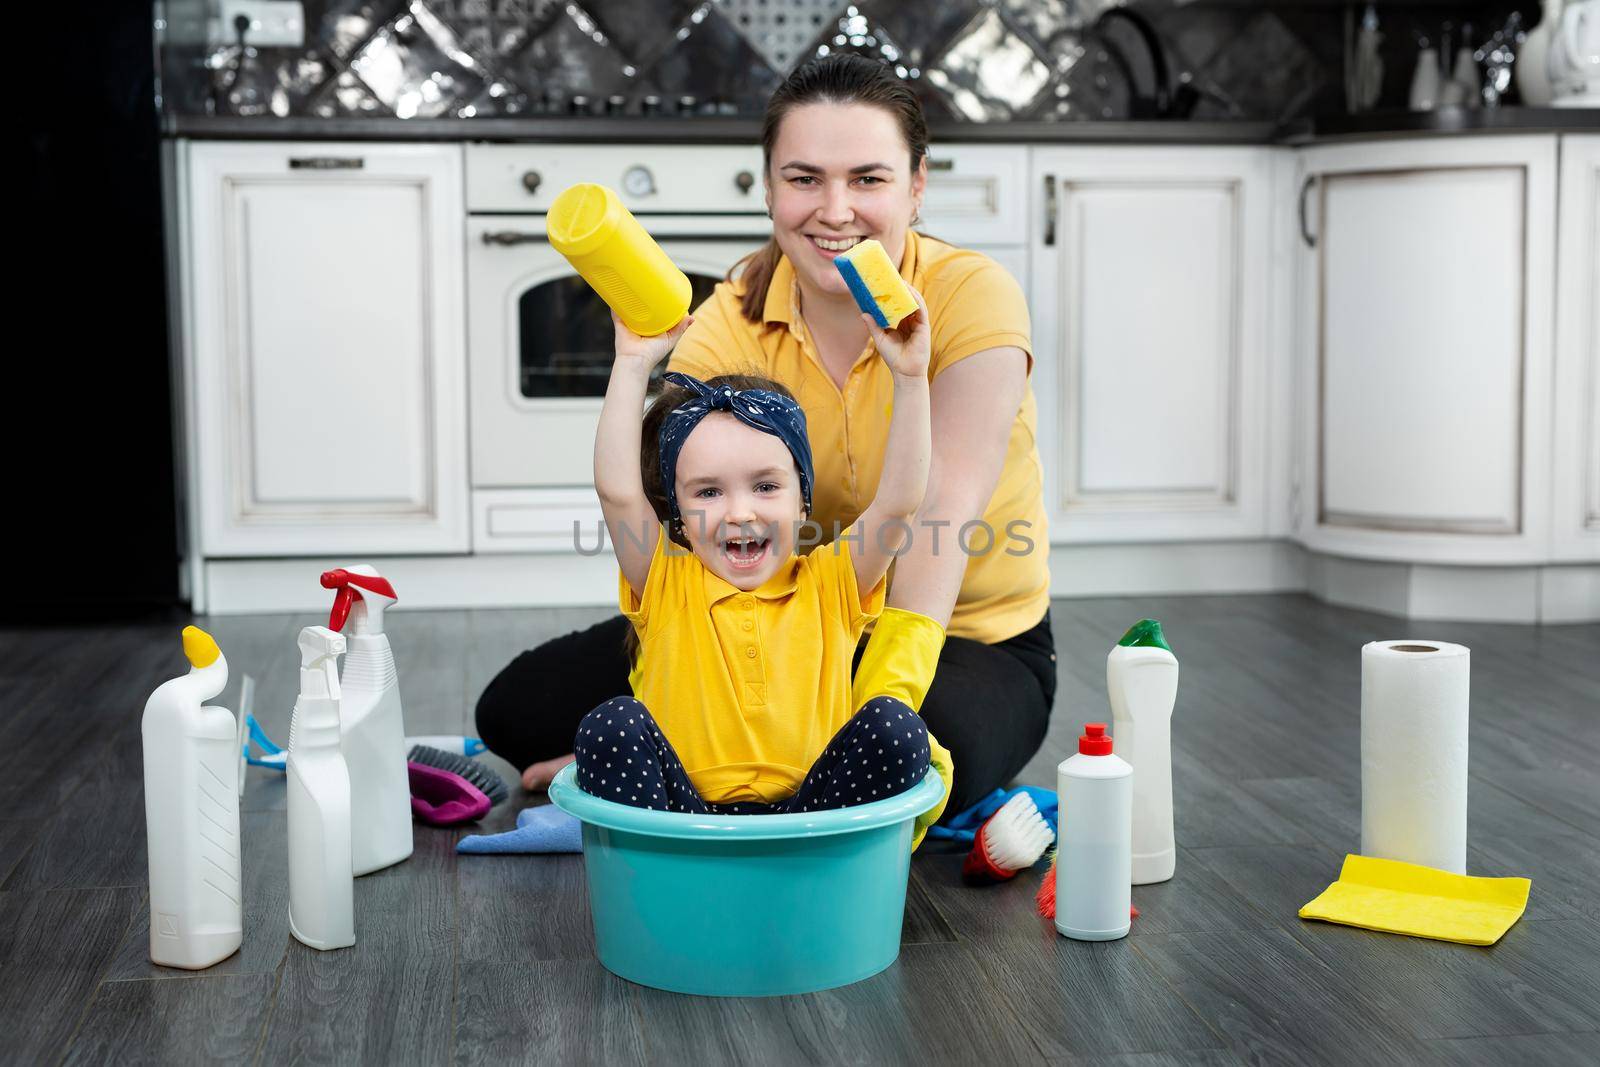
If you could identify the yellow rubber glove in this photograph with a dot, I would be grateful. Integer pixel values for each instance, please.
(901, 658)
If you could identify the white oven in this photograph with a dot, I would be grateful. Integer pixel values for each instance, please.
(539, 339)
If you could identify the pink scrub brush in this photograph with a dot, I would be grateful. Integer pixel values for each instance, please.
(1013, 838)
(442, 798)
(1046, 897)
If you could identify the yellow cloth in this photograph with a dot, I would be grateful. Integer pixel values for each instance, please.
(973, 305)
(1405, 898)
(748, 687)
(901, 658)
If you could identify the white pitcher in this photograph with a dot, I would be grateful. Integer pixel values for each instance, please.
(1532, 69)
(1575, 56)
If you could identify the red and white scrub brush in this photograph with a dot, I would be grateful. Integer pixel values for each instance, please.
(1011, 840)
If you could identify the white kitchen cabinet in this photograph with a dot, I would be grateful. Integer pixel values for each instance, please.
(977, 198)
(1575, 496)
(324, 348)
(1425, 349)
(1151, 326)
(977, 195)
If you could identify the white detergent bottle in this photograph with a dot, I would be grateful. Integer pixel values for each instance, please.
(191, 813)
(321, 882)
(1094, 840)
(1142, 681)
(371, 729)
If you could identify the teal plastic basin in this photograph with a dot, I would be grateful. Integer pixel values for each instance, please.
(746, 905)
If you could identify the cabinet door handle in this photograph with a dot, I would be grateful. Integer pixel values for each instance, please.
(1305, 231)
(513, 237)
(326, 163)
(942, 163)
(1051, 210)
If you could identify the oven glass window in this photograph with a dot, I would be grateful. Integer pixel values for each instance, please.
(564, 332)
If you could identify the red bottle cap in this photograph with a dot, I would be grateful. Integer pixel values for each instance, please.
(1094, 741)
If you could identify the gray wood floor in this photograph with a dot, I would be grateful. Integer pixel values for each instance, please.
(490, 959)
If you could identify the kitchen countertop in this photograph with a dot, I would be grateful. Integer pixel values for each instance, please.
(744, 131)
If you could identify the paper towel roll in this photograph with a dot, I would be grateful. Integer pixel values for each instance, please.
(1414, 752)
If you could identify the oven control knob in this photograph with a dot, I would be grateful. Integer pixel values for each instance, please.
(745, 181)
(531, 180)
(638, 181)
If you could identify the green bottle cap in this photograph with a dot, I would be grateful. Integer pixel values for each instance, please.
(1145, 633)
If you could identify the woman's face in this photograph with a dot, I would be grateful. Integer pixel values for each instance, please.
(739, 494)
(840, 173)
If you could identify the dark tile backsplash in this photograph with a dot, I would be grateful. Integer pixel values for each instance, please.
(970, 60)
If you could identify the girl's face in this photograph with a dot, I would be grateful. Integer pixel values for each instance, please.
(739, 494)
(840, 173)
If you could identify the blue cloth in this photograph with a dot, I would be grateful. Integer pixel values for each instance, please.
(964, 827)
(545, 828)
(761, 409)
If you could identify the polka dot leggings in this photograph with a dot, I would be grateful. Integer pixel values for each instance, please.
(623, 757)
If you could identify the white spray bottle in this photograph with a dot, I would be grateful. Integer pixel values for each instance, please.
(191, 813)
(372, 731)
(1094, 841)
(1142, 681)
(321, 882)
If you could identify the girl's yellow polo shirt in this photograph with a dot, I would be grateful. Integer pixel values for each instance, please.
(973, 305)
(748, 687)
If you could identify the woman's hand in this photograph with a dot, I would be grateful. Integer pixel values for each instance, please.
(646, 352)
(906, 347)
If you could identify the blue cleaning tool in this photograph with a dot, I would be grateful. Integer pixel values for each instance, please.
(964, 827)
(452, 743)
(271, 755)
(276, 758)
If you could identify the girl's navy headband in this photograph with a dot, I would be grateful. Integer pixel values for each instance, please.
(762, 409)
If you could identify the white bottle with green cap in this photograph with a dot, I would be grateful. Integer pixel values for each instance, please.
(1142, 682)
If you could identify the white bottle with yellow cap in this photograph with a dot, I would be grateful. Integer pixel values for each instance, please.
(191, 812)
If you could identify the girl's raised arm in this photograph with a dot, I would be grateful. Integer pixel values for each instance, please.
(885, 526)
(630, 520)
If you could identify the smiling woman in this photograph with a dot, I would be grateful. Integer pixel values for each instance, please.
(846, 144)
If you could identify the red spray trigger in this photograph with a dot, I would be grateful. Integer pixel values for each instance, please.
(342, 601)
(347, 584)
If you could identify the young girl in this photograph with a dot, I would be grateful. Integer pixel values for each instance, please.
(742, 685)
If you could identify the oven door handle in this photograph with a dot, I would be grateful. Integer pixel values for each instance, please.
(508, 238)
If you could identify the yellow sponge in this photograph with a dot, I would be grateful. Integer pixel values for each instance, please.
(876, 284)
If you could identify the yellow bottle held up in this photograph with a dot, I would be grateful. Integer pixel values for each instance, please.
(605, 244)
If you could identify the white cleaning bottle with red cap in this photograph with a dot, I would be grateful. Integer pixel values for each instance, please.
(1094, 840)
(191, 813)
(1142, 682)
(371, 729)
(321, 885)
